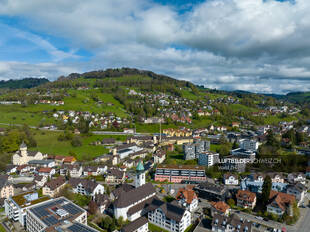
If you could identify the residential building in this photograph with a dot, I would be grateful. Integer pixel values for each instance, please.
(55, 215)
(16, 206)
(168, 216)
(298, 190)
(159, 156)
(280, 203)
(246, 199)
(92, 171)
(40, 181)
(69, 160)
(138, 225)
(42, 163)
(230, 179)
(86, 187)
(219, 207)
(114, 175)
(296, 177)
(211, 192)
(192, 150)
(22, 156)
(248, 144)
(71, 170)
(180, 173)
(6, 189)
(102, 201)
(244, 154)
(208, 158)
(223, 223)
(53, 187)
(49, 172)
(187, 198)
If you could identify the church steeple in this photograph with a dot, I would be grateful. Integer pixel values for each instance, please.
(23, 149)
(140, 175)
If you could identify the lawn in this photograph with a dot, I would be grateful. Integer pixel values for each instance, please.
(154, 228)
(2, 228)
(47, 143)
(273, 119)
(79, 100)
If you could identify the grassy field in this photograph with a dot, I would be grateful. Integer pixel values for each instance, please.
(47, 143)
(154, 228)
(79, 100)
(273, 119)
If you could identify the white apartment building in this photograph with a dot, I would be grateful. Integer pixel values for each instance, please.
(16, 206)
(208, 158)
(170, 217)
(249, 144)
(58, 214)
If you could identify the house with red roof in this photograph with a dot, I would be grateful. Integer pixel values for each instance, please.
(280, 203)
(49, 172)
(187, 198)
(246, 199)
(219, 207)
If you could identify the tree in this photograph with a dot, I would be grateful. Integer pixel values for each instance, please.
(76, 141)
(92, 207)
(231, 202)
(235, 145)
(266, 190)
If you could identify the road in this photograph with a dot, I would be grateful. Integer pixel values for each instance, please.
(94, 132)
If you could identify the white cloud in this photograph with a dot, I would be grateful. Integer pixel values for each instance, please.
(253, 45)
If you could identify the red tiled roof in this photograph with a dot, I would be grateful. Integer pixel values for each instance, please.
(45, 170)
(187, 193)
(282, 199)
(246, 195)
(220, 206)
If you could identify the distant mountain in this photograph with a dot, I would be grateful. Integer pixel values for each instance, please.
(295, 97)
(25, 83)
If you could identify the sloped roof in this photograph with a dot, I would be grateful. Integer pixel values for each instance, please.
(127, 198)
(246, 195)
(220, 206)
(134, 225)
(282, 200)
(186, 193)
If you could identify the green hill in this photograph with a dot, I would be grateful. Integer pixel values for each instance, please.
(25, 83)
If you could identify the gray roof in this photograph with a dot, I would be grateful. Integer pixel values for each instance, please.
(3, 180)
(40, 162)
(88, 185)
(171, 211)
(127, 198)
(239, 224)
(134, 225)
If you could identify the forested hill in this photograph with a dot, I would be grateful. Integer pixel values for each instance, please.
(113, 79)
(295, 97)
(25, 83)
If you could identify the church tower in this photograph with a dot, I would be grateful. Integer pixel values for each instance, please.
(140, 175)
(23, 149)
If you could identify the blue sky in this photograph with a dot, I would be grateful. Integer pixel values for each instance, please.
(257, 45)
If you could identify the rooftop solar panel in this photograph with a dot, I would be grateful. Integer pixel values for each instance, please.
(77, 227)
(72, 209)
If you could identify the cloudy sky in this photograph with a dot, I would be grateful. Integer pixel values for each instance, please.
(254, 45)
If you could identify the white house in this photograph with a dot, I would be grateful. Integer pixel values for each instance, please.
(249, 144)
(231, 179)
(187, 198)
(298, 190)
(169, 217)
(86, 187)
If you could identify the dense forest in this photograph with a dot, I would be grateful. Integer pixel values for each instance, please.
(25, 83)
